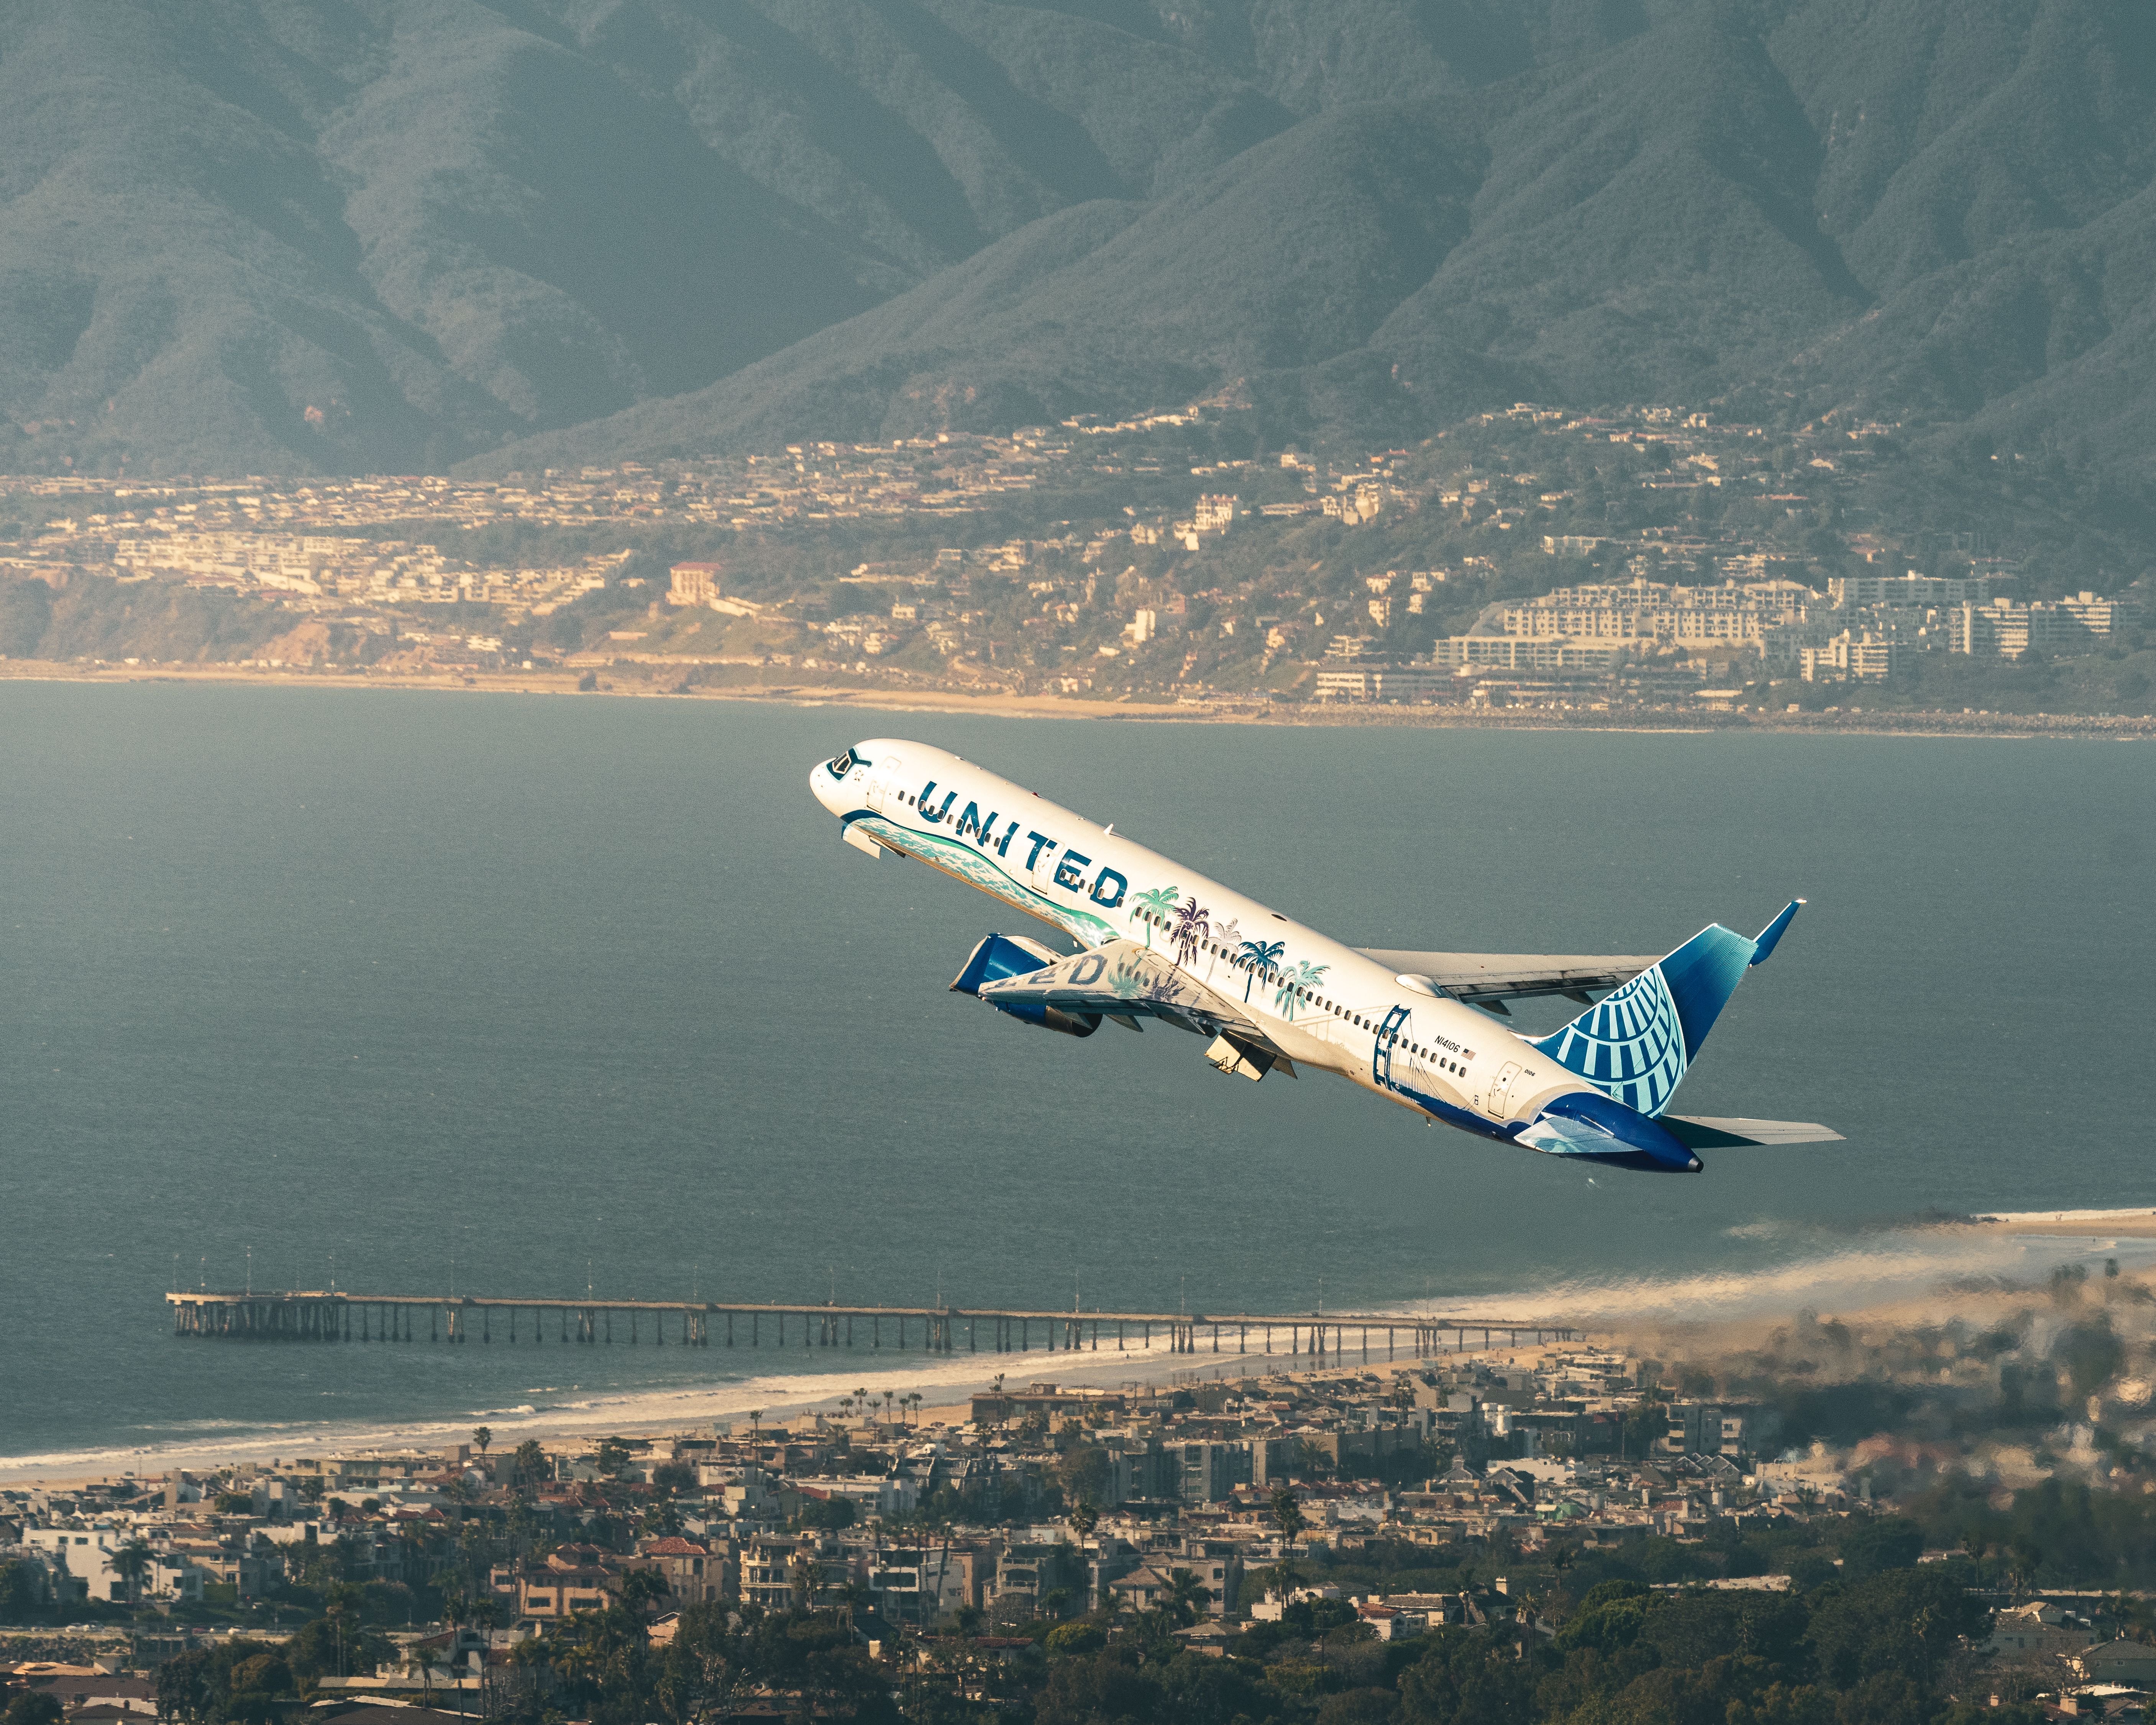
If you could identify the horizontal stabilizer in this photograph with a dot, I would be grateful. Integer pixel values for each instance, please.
(1698, 1132)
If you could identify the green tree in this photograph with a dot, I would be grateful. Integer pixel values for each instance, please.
(531, 1463)
(1464, 1678)
(132, 1563)
(34, 1706)
(1288, 1516)
(1878, 1543)
(1070, 1640)
(1083, 1470)
(483, 1436)
(2090, 1353)
(643, 1589)
(1186, 1598)
(21, 1590)
(1899, 1623)
(1108, 1687)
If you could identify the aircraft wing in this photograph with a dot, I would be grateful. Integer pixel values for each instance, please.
(1123, 979)
(1698, 1132)
(1491, 978)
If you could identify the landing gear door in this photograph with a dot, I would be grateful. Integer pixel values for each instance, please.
(881, 777)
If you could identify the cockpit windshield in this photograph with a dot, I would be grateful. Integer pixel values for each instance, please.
(846, 762)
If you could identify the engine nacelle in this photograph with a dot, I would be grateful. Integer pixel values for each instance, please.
(1054, 1017)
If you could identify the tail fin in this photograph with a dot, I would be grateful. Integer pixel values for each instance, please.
(1636, 1044)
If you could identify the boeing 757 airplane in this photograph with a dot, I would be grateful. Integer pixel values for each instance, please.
(1157, 942)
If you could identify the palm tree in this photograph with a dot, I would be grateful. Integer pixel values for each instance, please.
(1287, 1515)
(1084, 1519)
(421, 1662)
(643, 1587)
(1186, 1600)
(1305, 975)
(850, 1601)
(1259, 956)
(1157, 900)
(530, 1459)
(1192, 927)
(803, 1574)
(132, 1562)
(916, 1399)
(482, 1436)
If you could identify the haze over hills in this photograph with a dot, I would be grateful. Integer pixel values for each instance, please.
(290, 238)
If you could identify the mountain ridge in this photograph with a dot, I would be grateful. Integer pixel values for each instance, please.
(392, 236)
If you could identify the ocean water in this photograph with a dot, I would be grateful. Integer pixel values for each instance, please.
(518, 995)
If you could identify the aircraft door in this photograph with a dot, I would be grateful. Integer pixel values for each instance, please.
(881, 777)
(1388, 1042)
(1497, 1101)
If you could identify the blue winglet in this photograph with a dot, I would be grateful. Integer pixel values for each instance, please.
(1763, 947)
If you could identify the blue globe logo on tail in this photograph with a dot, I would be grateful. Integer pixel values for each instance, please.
(1631, 1045)
(1636, 1045)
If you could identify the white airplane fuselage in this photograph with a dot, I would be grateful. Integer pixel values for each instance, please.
(1323, 1004)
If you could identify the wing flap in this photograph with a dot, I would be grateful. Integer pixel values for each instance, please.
(1700, 1132)
(1478, 976)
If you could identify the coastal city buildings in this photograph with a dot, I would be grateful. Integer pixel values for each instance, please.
(1655, 557)
(1219, 1509)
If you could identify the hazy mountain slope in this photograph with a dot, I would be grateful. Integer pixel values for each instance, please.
(1992, 167)
(175, 273)
(931, 127)
(1917, 206)
(394, 234)
(216, 219)
(1288, 257)
(386, 233)
(1647, 229)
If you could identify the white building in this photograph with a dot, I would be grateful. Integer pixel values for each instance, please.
(1641, 610)
(1847, 657)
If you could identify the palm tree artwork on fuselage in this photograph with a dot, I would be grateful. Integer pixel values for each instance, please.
(1305, 975)
(1192, 929)
(1259, 956)
(1158, 900)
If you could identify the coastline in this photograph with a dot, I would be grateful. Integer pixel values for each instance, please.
(1865, 1286)
(642, 677)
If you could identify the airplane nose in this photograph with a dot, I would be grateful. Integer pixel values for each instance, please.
(820, 776)
(1587, 1123)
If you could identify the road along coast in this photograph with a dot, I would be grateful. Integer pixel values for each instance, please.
(657, 680)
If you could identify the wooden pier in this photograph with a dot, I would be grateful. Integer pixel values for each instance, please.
(318, 1315)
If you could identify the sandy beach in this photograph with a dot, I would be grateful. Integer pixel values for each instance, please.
(660, 680)
(1905, 1289)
